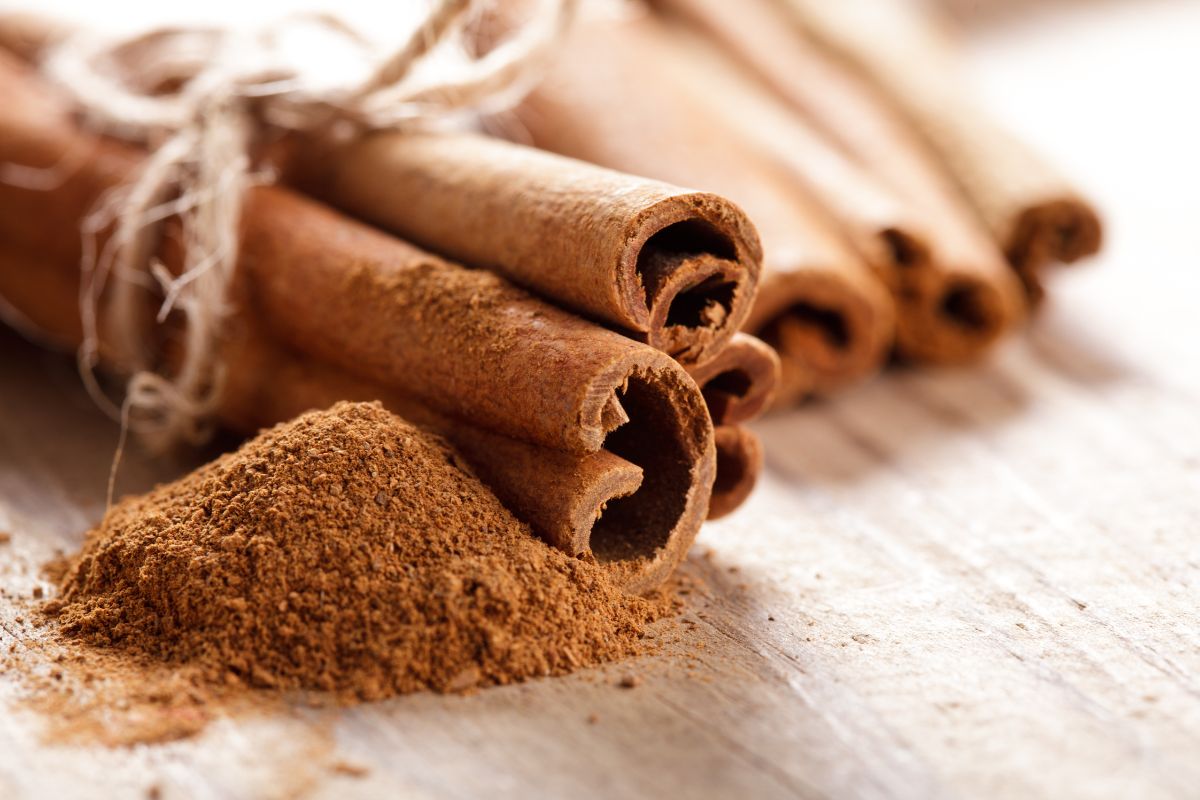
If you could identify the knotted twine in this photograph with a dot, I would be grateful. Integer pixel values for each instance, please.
(200, 100)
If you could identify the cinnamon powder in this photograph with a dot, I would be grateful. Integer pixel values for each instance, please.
(346, 551)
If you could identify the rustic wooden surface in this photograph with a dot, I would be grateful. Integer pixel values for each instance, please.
(976, 583)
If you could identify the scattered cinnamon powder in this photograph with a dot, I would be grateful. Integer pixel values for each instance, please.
(5, 537)
(98, 696)
(345, 551)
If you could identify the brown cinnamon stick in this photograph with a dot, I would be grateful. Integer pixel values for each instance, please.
(675, 268)
(1035, 215)
(739, 463)
(944, 314)
(739, 382)
(614, 96)
(889, 236)
(482, 353)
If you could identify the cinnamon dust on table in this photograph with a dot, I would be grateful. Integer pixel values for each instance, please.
(344, 551)
(98, 696)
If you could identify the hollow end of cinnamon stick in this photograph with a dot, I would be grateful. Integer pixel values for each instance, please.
(828, 330)
(697, 259)
(640, 538)
(559, 495)
(950, 311)
(740, 381)
(954, 320)
(1062, 230)
(739, 463)
(946, 313)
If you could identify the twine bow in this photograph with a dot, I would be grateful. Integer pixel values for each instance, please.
(201, 99)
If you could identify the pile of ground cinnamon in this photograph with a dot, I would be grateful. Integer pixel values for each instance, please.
(346, 551)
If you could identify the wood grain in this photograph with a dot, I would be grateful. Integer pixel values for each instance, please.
(973, 583)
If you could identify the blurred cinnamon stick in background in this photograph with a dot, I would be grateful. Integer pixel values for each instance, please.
(947, 311)
(910, 53)
(882, 77)
(969, 293)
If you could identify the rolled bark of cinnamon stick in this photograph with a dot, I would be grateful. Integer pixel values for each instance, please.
(483, 353)
(676, 269)
(1032, 211)
(968, 297)
(614, 97)
(738, 383)
(739, 463)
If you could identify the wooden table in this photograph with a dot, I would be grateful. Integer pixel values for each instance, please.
(975, 583)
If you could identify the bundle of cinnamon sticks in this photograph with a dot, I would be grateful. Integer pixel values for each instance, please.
(591, 335)
(893, 211)
(557, 361)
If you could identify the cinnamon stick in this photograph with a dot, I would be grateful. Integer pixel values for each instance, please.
(1031, 210)
(934, 299)
(739, 382)
(739, 463)
(481, 352)
(675, 268)
(614, 96)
